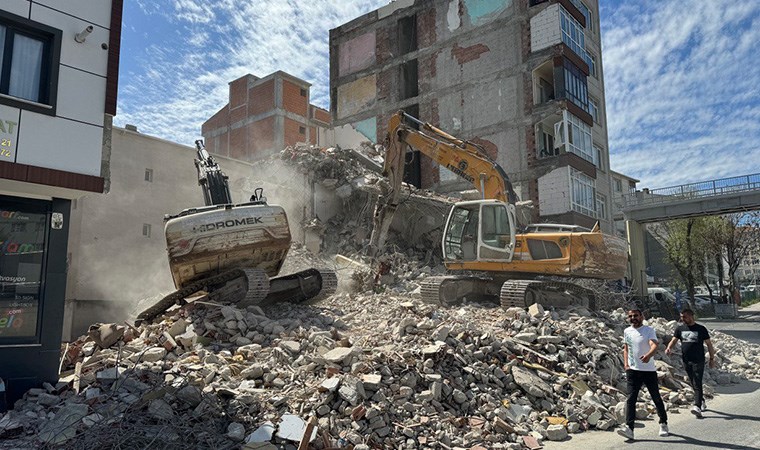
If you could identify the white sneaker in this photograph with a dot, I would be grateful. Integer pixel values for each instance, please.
(626, 432)
(696, 411)
(704, 406)
(664, 430)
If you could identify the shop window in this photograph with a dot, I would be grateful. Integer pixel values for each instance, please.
(29, 56)
(22, 256)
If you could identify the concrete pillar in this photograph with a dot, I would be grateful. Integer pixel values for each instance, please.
(637, 257)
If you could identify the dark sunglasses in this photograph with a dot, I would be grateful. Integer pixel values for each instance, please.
(634, 316)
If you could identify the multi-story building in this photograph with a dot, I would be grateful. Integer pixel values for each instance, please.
(263, 116)
(621, 185)
(59, 65)
(521, 78)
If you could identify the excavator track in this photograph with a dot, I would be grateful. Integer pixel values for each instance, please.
(438, 290)
(246, 287)
(178, 297)
(523, 293)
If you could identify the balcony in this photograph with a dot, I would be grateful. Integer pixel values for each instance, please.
(563, 132)
(566, 82)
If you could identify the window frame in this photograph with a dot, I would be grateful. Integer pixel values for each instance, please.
(579, 138)
(582, 185)
(593, 107)
(572, 34)
(51, 38)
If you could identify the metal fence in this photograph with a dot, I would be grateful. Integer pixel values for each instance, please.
(692, 191)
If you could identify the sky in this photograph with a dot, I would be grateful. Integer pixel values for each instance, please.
(682, 90)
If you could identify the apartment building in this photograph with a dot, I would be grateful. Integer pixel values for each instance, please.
(59, 65)
(621, 185)
(263, 116)
(521, 78)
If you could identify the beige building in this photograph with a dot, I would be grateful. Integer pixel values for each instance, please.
(117, 250)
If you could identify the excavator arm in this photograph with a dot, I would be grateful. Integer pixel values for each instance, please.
(464, 158)
(216, 188)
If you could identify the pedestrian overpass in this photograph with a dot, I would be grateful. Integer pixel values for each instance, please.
(704, 198)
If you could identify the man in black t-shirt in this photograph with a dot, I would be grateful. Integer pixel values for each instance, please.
(693, 336)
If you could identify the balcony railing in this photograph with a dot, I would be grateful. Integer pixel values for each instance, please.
(693, 191)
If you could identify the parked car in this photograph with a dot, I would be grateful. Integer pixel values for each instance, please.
(701, 301)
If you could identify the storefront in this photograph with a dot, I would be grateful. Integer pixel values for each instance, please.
(33, 240)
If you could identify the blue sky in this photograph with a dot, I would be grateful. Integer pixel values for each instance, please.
(682, 90)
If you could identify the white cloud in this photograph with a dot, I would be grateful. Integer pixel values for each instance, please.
(682, 90)
(182, 76)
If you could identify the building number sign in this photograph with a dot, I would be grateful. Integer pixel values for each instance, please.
(8, 133)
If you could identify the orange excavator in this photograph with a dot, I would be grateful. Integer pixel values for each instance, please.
(498, 259)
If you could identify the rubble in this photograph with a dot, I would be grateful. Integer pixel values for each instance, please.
(369, 367)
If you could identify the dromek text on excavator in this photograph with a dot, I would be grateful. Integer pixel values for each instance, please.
(498, 258)
(230, 251)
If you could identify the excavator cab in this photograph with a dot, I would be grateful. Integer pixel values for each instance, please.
(481, 230)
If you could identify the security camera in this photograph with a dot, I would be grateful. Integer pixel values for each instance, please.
(82, 35)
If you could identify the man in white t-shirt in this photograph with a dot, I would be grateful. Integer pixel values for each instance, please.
(638, 349)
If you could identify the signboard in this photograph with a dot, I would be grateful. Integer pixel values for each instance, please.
(22, 249)
(9, 118)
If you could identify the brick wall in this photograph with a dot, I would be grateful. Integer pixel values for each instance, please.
(261, 137)
(426, 28)
(313, 135)
(322, 115)
(292, 100)
(238, 91)
(261, 98)
(292, 132)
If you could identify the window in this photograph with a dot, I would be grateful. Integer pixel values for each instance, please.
(301, 130)
(545, 91)
(601, 207)
(593, 107)
(599, 157)
(409, 85)
(579, 138)
(592, 65)
(618, 186)
(546, 144)
(146, 230)
(582, 193)
(407, 34)
(575, 86)
(303, 92)
(149, 175)
(572, 34)
(29, 55)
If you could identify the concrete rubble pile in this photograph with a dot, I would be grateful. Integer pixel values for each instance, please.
(353, 175)
(357, 370)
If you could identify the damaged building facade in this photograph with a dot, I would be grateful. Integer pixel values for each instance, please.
(521, 78)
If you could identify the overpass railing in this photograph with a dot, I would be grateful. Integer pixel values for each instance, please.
(692, 191)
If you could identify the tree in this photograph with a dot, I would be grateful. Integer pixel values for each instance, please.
(742, 238)
(684, 248)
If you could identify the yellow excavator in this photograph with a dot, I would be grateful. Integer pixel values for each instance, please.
(499, 259)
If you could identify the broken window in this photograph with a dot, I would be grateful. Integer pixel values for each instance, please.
(546, 143)
(407, 34)
(412, 165)
(409, 80)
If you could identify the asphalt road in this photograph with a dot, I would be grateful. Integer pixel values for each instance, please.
(731, 422)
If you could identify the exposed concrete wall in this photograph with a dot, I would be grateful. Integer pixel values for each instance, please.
(357, 53)
(555, 189)
(357, 96)
(545, 29)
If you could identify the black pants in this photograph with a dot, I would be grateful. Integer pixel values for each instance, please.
(695, 370)
(636, 379)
